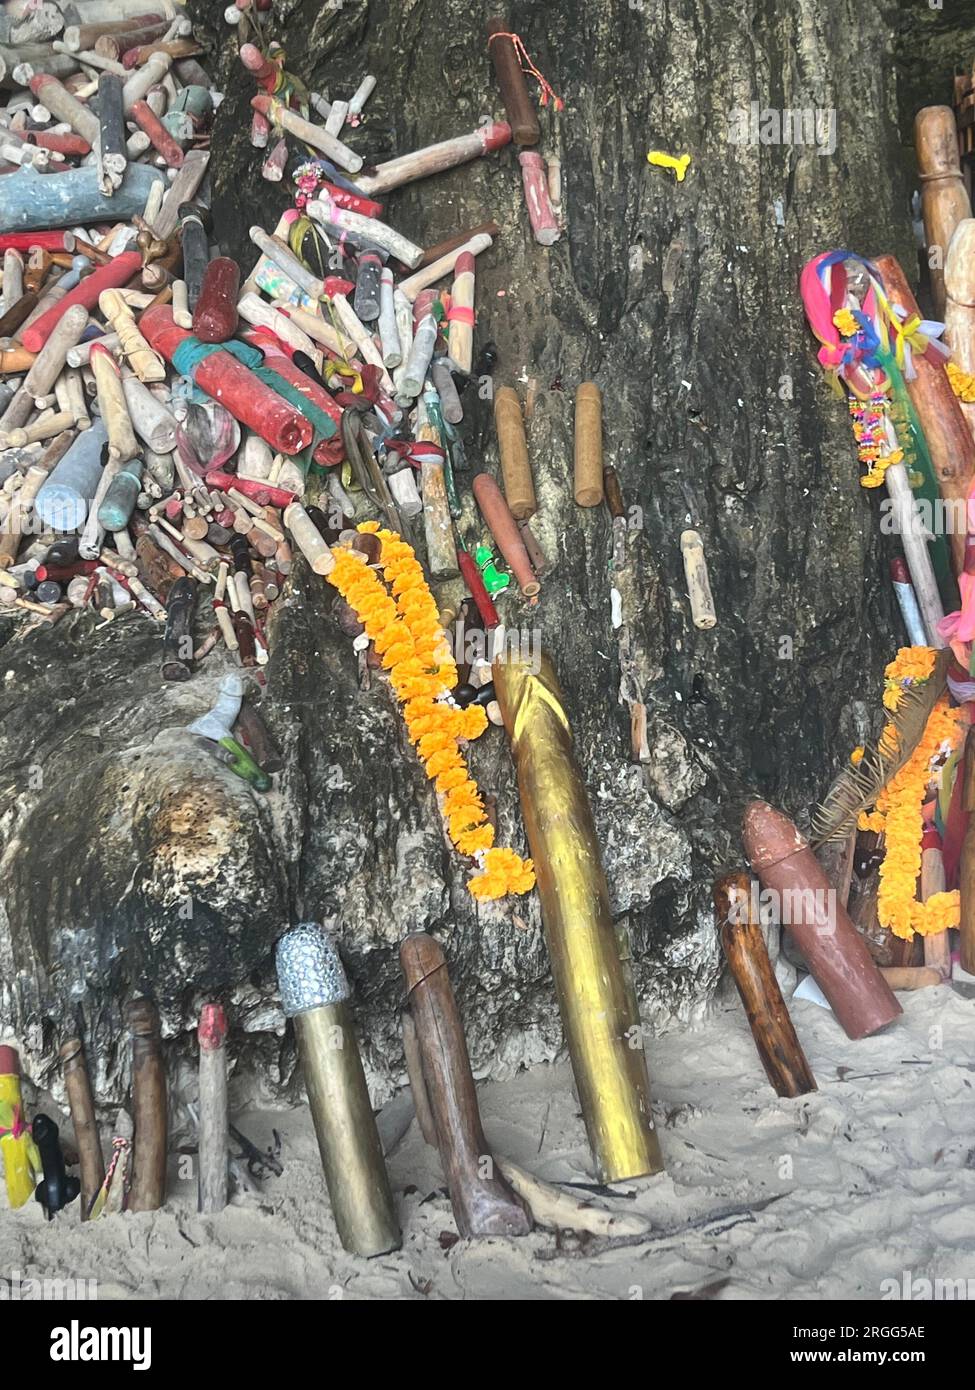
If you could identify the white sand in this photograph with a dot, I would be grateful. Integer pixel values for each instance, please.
(875, 1175)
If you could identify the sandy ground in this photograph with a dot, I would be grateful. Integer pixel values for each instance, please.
(822, 1197)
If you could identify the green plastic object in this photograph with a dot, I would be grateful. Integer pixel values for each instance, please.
(240, 762)
(495, 580)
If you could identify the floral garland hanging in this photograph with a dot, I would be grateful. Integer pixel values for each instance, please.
(962, 383)
(897, 813)
(399, 616)
(870, 433)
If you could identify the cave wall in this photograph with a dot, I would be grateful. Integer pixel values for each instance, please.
(680, 300)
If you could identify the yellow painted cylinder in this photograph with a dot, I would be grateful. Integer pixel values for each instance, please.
(596, 998)
(348, 1141)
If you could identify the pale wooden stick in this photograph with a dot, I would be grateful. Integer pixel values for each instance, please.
(434, 158)
(122, 443)
(214, 1121)
(443, 266)
(313, 135)
(937, 946)
(147, 365)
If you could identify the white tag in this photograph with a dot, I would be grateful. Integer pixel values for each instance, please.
(811, 991)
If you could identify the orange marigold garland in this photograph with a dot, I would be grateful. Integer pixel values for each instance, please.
(897, 813)
(403, 624)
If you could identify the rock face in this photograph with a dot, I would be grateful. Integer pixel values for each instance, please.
(132, 860)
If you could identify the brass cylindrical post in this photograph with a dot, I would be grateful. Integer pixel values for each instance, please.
(315, 994)
(601, 1024)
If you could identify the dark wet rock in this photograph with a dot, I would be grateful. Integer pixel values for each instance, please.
(140, 863)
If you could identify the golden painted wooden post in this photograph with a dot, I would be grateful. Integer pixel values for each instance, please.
(596, 999)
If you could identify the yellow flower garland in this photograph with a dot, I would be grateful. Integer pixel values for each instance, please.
(404, 626)
(911, 666)
(897, 813)
(962, 383)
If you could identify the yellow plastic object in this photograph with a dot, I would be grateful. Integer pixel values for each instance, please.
(678, 163)
(21, 1161)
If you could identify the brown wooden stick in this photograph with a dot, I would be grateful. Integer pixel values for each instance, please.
(588, 478)
(518, 104)
(862, 901)
(744, 947)
(482, 1201)
(148, 1190)
(444, 248)
(950, 444)
(18, 518)
(516, 472)
(911, 976)
(504, 529)
(15, 315)
(78, 1086)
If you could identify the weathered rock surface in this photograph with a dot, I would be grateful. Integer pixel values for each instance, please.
(137, 862)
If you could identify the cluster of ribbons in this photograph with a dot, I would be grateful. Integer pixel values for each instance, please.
(883, 332)
(280, 83)
(868, 348)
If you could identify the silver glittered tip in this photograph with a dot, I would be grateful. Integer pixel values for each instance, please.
(310, 972)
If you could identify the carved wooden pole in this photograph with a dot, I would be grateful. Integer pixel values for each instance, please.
(482, 1201)
(768, 1017)
(837, 956)
(944, 200)
(78, 1086)
(148, 1190)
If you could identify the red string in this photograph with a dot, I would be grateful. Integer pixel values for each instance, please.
(528, 66)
